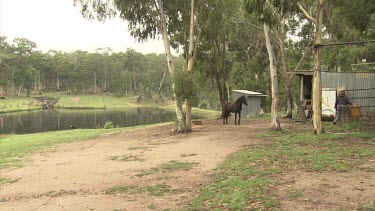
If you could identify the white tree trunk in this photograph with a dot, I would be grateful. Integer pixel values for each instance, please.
(275, 122)
(317, 84)
(181, 126)
(190, 67)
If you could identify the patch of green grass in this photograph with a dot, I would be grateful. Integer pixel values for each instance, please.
(15, 104)
(127, 158)
(166, 178)
(158, 190)
(295, 193)
(8, 181)
(368, 207)
(246, 180)
(189, 155)
(198, 113)
(151, 206)
(174, 165)
(367, 136)
(142, 174)
(120, 189)
(138, 148)
(155, 169)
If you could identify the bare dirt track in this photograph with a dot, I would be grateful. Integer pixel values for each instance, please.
(80, 175)
(77, 176)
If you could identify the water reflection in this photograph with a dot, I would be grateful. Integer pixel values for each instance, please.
(52, 120)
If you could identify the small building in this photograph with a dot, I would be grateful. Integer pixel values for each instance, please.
(254, 99)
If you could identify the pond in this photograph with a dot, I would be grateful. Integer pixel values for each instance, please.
(53, 120)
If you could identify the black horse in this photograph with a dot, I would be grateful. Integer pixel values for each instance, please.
(235, 108)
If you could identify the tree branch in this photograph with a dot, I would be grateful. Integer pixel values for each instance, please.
(308, 16)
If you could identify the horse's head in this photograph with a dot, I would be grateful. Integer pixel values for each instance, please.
(243, 100)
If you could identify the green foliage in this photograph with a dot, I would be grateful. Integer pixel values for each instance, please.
(108, 125)
(185, 87)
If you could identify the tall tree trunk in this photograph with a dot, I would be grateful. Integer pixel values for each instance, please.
(105, 81)
(285, 74)
(133, 71)
(190, 67)
(317, 84)
(275, 122)
(39, 84)
(221, 89)
(161, 82)
(19, 90)
(181, 126)
(58, 83)
(226, 72)
(222, 76)
(1, 93)
(95, 81)
(28, 91)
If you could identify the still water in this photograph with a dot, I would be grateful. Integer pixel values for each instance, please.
(52, 120)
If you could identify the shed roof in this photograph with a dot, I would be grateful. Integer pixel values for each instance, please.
(251, 93)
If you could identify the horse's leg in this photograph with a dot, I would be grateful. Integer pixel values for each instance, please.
(226, 118)
(235, 118)
(239, 118)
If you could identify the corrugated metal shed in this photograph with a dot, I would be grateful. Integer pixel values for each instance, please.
(352, 81)
(253, 102)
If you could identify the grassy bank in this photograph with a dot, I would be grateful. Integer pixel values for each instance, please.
(248, 179)
(80, 101)
(15, 104)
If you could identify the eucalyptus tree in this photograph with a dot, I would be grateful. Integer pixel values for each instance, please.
(134, 63)
(6, 56)
(268, 12)
(317, 84)
(22, 67)
(216, 27)
(156, 79)
(121, 77)
(146, 19)
(104, 52)
(58, 59)
(350, 21)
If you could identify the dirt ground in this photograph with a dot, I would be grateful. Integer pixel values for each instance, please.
(78, 176)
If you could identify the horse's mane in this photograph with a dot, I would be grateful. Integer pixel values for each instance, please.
(239, 99)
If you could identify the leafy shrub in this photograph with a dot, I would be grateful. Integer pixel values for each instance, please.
(108, 125)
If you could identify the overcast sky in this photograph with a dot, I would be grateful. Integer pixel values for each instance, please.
(58, 25)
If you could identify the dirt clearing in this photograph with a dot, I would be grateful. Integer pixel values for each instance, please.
(154, 169)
